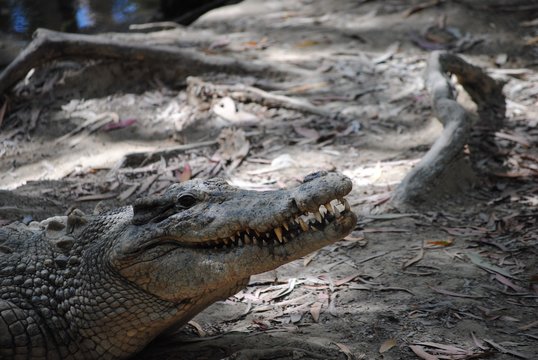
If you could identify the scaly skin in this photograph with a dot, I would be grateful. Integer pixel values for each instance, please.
(103, 286)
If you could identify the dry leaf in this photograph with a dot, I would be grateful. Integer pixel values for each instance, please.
(315, 311)
(113, 125)
(504, 350)
(3, 111)
(465, 231)
(346, 350)
(307, 43)
(480, 262)
(96, 197)
(528, 326)
(440, 243)
(227, 110)
(198, 328)
(233, 146)
(385, 229)
(477, 342)
(147, 183)
(186, 174)
(306, 132)
(515, 138)
(503, 280)
(307, 259)
(345, 280)
(371, 257)
(414, 260)
(421, 353)
(387, 345)
(127, 193)
(450, 293)
(451, 349)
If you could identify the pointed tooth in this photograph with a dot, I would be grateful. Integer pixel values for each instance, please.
(254, 240)
(346, 205)
(329, 208)
(257, 233)
(313, 227)
(247, 231)
(247, 239)
(336, 212)
(303, 225)
(318, 217)
(226, 241)
(278, 233)
(240, 242)
(286, 226)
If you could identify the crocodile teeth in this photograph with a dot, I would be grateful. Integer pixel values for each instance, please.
(318, 217)
(226, 241)
(329, 208)
(254, 240)
(336, 212)
(303, 225)
(346, 205)
(285, 224)
(278, 233)
(247, 239)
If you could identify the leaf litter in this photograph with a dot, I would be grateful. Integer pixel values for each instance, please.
(338, 292)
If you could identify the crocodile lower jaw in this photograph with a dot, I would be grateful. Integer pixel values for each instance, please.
(332, 218)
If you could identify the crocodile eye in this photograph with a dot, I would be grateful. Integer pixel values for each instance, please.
(186, 201)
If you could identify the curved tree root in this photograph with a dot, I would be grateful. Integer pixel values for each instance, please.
(421, 183)
(50, 45)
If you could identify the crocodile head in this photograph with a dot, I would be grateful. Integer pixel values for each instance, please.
(103, 286)
(204, 238)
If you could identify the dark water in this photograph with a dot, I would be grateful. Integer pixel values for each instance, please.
(24, 16)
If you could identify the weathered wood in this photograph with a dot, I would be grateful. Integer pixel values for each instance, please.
(420, 182)
(50, 45)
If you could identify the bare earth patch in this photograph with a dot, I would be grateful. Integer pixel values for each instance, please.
(456, 279)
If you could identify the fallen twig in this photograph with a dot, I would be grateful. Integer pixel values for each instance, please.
(244, 93)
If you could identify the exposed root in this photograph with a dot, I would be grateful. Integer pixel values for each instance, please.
(50, 45)
(420, 183)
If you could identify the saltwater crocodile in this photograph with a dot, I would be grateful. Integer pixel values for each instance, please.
(102, 286)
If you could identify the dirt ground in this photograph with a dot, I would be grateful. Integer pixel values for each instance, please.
(456, 280)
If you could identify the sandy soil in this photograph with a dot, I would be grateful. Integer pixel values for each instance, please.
(456, 280)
